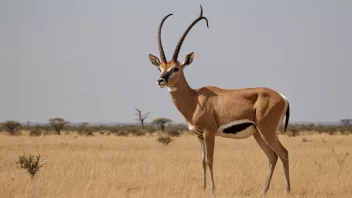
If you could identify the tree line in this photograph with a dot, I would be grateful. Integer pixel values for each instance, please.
(165, 125)
(57, 125)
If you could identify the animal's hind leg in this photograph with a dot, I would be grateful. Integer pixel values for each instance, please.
(277, 147)
(286, 168)
(272, 157)
(268, 122)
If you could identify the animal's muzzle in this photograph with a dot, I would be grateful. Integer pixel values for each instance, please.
(161, 81)
(163, 78)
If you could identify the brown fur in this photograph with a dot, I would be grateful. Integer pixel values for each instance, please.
(223, 106)
(165, 66)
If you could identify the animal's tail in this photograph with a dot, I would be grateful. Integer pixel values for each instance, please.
(287, 115)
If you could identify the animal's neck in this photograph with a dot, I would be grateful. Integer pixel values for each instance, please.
(183, 97)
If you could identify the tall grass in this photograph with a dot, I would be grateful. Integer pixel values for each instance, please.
(139, 166)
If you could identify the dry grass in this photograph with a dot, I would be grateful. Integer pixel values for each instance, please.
(110, 166)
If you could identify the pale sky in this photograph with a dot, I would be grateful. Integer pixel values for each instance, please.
(87, 61)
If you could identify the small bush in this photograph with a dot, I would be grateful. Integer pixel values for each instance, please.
(132, 130)
(304, 140)
(139, 133)
(173, 132)
(121, 133)
(35, 132)
(114, 129)
(32, 164)
(150, 129)
(340, 159)
(42, 128)
(164, 140)
(86, 133)
(48, 133)
(89, 133)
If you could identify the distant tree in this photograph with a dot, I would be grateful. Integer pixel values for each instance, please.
(11, 126)
(161, 123)
(58, 124)
(82, 127)
(141, 117)
(346, 121)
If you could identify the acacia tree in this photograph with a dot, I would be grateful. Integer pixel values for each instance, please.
(11, 126)
(161, 122)
(58, 124)
(141, 117)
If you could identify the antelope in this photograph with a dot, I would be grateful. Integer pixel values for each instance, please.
(231, 113)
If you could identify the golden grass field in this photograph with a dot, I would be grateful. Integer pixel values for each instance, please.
(112, 166)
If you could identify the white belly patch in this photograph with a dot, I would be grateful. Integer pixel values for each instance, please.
(238, 129)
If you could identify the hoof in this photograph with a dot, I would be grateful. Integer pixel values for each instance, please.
(265, 190)
(213, 190)
(287, 191)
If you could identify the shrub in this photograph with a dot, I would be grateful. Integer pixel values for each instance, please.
(32, 164)
(87, 132)
(164, 140)
(139, 133)
(340, 159)
(113, 129)
(132, 130)
(35, 132)
(43, 128)
(150, 129)
(173, 132)
(121, 133)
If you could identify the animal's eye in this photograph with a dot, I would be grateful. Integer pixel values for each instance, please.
(175, 69)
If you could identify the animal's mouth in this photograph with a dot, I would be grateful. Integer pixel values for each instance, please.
(161, 82)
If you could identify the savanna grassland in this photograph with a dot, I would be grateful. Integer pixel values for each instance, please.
(115, 166)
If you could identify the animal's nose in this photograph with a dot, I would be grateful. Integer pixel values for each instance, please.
(161, 81)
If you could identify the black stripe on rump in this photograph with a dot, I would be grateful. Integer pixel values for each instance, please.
(238, 127)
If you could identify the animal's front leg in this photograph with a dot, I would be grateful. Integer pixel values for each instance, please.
(209, 139)
(204, 163)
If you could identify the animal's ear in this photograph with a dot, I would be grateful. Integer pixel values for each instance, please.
(188, 59)
(155, 60)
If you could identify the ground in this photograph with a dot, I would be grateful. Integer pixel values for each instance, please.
(112, 166)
